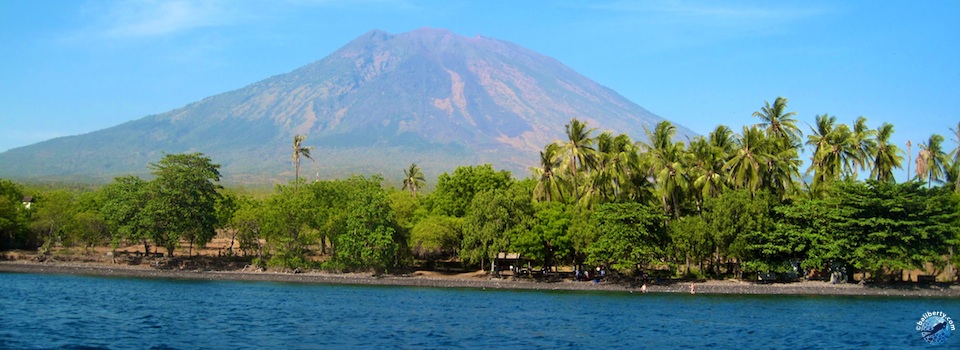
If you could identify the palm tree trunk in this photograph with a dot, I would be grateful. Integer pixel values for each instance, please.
(909, 160)
(676, 204)
(296, 185)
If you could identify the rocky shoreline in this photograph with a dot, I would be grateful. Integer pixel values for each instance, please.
(486, 282)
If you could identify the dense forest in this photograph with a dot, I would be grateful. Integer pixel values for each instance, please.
(725, 204)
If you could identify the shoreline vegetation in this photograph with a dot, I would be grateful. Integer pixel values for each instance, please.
(481, 280)
(727, 206)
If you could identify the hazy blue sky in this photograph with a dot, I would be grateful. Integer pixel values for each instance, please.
(72, 67)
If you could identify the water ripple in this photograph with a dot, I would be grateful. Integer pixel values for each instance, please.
(69, 312)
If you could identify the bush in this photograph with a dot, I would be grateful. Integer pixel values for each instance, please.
(289, 261)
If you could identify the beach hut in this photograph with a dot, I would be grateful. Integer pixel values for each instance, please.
(511, 263)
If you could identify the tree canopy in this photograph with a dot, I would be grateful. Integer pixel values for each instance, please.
(730, 203)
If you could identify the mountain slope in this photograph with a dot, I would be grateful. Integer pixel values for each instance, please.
(376, 105)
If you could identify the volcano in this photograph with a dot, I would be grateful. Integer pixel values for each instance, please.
(374, 106)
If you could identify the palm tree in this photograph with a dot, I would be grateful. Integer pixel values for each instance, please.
(955, 153)
(781, 166)
(745, 167)
(885, 154)
(864, 143)
(706, 169)
(952, 173)
(616, 164)
(777, 121)
(818, 139)
(667, 163)
(710, 160)
(930, 161)
(841, 157)
(413, 179)
(921, 168)
(299, 151)
(954, 166)
(722, 138)
(547, 175)
(579, 153)
(835, 152)
(909, 159)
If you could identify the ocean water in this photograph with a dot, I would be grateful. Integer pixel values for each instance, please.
(74, 312)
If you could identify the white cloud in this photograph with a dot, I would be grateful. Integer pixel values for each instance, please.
(153, 18)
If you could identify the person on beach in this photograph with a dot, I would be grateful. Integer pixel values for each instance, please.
(643, 288)
(693, 288)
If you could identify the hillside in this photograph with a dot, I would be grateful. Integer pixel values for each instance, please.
(376, 105)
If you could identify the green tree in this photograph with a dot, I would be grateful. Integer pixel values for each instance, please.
(890, 227)
(183, 201)
(631, 235)
(691, 241)
(732, 218)
(455, 192)
(548, 239)
(14, 229)
(495, 218)
(371, 239)
(328, 209)
(811, 222)
(53, 215)
(762, 245)
(88, 227)
(436, 237)
(124, 210)
(287, 218)
(413, 179)
(247, 223)
(226, 207)
(406, 208)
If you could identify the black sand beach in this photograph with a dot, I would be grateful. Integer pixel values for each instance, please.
(481, 282)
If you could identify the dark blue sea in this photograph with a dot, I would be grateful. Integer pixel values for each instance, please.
(71, 312)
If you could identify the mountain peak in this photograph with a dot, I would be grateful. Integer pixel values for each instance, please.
(376, 34)
(381, 102)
